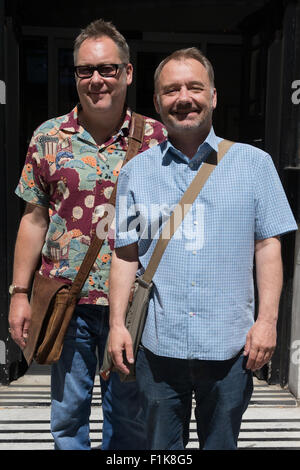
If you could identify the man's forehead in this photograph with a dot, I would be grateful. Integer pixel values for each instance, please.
(176, 69)
(103, 41)
(187, 62)
(97, 50)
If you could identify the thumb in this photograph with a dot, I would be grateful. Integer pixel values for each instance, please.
(129, 352)
(26, 328)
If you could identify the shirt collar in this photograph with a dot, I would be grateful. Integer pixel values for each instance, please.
(70, 122)
(71, 125)
(209, 144)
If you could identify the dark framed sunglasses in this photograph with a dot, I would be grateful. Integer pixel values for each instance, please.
(105, 70)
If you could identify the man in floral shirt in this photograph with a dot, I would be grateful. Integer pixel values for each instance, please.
(71, 168)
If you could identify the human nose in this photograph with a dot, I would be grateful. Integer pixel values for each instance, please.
(184, 96)
(96, 77)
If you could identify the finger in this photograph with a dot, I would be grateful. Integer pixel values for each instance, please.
(251, 359)
(15, 332)
(247, 346)
(129, 353)
(17, 336)
(265, 358)
(117, 358)
(259, 360)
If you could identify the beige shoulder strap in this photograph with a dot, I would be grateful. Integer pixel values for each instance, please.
(183, 207)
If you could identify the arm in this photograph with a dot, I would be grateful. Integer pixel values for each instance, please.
(261, 338)
(123, 270)
(29, 243)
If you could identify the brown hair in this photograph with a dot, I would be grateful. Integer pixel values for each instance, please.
(182, 54)
(99, 28)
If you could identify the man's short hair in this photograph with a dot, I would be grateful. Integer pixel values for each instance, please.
(99, 28)
(183, 54)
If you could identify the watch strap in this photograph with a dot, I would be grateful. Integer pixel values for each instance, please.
(13, 289)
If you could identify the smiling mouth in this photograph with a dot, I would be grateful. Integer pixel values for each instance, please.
(97, 96)
(97, 93)
(185, 112)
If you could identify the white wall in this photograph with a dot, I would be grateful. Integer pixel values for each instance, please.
(294, 371)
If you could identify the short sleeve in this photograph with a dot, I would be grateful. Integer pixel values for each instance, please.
(32, 187)
(154, 134)
(131, 219)
(126, 213)
(273, 215)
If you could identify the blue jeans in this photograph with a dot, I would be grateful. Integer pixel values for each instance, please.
(72, 381)
(222, 391)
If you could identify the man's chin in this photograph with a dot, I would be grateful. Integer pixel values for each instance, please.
(100, 105)
(98, 101)
(186, 125)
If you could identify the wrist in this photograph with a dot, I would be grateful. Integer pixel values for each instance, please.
(117, 324)
(269, 319)
(16, 288)
(19, 299)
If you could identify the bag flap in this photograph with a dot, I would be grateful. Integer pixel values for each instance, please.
(43, 291)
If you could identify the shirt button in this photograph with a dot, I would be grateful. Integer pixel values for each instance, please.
(194, 252)
(191, 314)
(195, 222)
(193, 283)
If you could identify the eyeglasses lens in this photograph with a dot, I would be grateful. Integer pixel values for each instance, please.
(105, 70)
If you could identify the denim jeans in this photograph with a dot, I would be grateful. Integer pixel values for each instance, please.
(72, 381)
(222, 391)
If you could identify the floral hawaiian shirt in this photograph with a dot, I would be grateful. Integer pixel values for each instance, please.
(66, 171)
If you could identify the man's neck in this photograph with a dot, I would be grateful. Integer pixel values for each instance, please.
(188, 142)
(101, 127)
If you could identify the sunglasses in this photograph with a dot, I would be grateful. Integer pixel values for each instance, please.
(105, 70)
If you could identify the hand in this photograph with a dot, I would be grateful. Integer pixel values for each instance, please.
(120, 341)
(260, 344)
(19, 319)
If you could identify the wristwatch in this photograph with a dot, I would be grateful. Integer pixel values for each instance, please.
(17, 290)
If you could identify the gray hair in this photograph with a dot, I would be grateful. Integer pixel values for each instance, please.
(99, 28)
(182, 54)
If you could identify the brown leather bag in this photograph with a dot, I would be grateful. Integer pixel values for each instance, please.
(52, 301)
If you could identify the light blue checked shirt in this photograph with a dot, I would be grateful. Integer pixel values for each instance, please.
(202, 304)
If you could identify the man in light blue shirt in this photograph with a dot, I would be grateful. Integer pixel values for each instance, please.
(200, 335)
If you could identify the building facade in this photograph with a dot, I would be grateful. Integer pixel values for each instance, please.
(255, 49)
